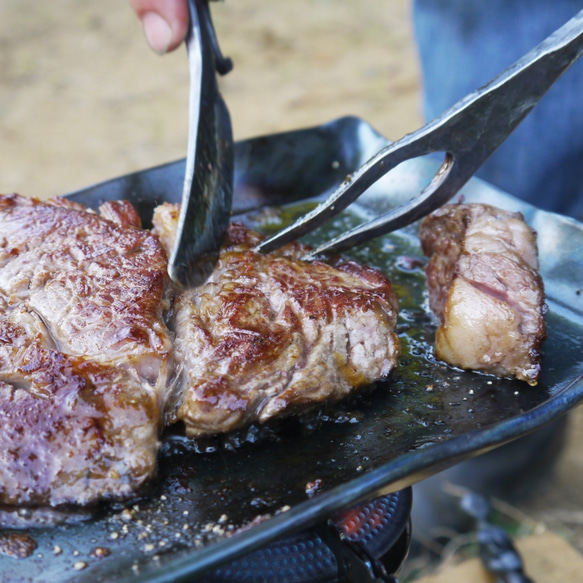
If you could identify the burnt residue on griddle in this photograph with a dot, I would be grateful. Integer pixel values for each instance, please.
(17, 545)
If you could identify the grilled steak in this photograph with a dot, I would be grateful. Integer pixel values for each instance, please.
(84, 352)
(485, 289)
(86, 360)
(269, 334)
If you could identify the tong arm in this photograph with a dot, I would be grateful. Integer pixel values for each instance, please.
(208, 179)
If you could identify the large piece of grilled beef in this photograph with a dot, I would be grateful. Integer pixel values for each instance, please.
(485, 288)
(84, 352)
(267, 335)
(89, 371)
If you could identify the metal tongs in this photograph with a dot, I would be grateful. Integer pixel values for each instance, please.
(208, 181)
(468, 133)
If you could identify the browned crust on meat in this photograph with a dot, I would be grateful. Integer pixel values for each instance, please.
(485, 289)
(84, 352)
(78, 271)
(121, 212)
(65, 426)
(268, 335)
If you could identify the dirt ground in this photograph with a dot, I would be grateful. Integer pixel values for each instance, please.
(83, 99)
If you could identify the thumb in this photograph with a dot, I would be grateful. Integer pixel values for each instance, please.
(164, 22)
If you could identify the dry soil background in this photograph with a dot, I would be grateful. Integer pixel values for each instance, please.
(82, 99)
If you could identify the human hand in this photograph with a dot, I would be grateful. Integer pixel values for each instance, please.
(165, 22)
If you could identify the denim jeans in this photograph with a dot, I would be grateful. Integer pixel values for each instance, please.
(462, 45)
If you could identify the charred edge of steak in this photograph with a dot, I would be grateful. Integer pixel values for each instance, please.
(270, 335)
(485, 289)
(84, 352)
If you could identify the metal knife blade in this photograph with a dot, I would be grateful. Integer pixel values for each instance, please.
(208, 181)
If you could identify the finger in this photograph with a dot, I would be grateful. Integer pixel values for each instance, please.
(164, 21)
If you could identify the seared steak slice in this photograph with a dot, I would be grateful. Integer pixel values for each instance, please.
(267, 335)
(84, 352)
(485, 289)
(72, 430)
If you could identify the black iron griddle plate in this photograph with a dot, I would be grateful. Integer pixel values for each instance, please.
(300, 471)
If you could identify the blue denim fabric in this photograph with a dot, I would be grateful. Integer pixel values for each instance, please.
(462, 45)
